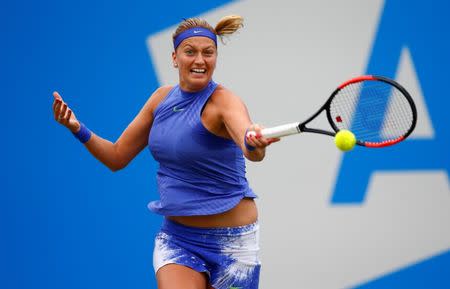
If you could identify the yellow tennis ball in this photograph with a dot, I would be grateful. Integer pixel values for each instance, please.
(345, 140)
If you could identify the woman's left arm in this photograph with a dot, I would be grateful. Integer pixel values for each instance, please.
(236, 119)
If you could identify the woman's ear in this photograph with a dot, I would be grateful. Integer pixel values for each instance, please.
(174, 59)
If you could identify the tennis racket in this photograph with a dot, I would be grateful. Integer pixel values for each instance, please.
(376, 109)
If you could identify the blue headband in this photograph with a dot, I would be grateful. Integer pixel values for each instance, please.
(193, 32)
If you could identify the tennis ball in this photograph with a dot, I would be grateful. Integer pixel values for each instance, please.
(345, 140)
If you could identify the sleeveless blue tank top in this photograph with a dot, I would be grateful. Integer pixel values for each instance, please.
(199, 173)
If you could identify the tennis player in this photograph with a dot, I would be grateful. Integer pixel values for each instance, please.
(196, 130)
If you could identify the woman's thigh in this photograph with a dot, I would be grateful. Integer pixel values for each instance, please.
(174, 276)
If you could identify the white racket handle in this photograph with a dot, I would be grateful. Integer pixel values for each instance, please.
(281, 130)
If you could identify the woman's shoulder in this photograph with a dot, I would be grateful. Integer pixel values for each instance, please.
(221, 89)
(223, 96)
(221, 93)
(157, 97)
(163, 91)
(160, 93)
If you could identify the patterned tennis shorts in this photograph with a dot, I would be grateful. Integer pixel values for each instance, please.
(229, 256)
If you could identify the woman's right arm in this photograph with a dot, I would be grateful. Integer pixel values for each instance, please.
(133, 139)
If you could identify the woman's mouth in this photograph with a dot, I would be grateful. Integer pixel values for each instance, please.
(198, 70)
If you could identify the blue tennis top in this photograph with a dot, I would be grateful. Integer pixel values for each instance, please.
(199, 173)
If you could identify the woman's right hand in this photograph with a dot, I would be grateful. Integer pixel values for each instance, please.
(63, 114)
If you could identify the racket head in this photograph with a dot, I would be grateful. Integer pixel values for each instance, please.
(378, 110)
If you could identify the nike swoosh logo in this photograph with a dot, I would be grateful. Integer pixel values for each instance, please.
(175, 109)
(197, 31)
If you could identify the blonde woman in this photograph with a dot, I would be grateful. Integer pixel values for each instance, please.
(196, 130)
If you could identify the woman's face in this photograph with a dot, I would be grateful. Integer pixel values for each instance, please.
(196, 60)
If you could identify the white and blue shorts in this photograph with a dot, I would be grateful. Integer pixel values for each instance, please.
(229, 256)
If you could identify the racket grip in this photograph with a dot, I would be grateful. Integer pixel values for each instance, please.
(281, 130)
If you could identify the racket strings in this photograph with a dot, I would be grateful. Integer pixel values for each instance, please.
(373, 110)
(376, 120)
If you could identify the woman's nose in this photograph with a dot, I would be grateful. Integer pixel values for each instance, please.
(199, 58)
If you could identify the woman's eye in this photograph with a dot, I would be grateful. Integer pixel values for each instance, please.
(189, 52)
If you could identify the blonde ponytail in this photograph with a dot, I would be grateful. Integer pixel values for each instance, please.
(228, 25)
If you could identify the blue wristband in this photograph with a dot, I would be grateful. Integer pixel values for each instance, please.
(247, 146)
(84, 134)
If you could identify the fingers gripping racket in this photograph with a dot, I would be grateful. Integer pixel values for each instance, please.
(378, 110)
